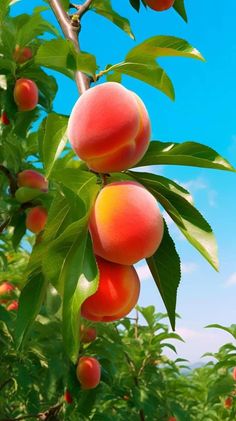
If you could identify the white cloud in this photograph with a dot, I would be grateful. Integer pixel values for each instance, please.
(188, 267)
(196, 184)
(231, 280)
(155, 169)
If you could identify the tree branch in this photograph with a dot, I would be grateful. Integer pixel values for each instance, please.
(11, 179)
(71, 29)
(43, 416)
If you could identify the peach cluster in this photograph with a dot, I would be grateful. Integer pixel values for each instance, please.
(109, 128)
(6, 291)
(37, 216)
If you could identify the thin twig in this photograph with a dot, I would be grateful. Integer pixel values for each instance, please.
(11, 178)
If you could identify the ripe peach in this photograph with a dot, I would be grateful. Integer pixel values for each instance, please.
(234, 373)
(160, 5)
(228, 402)
(4, 119)
(6, 288)
(32, 179)
(109, 128)
(125, 223)
(25, 94)
(22, 54)
(117, 293)
(36, 219)
(88, 372)
(13, 306)
(87, 334)
(172, 419)
(67, 397)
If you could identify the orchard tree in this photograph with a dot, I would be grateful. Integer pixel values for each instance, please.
(70, 181)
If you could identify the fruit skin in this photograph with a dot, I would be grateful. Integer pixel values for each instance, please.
(160, 5)
(172, 419)
(109, 128)
(4, 119)
(87, 334)
(32, 179)
(88, 372)
(125, 223)
(25, 94)
(67, 397)
(6, 288)
(228, 402)
(36, 219)
(13, 306)
(22, 54)
(117, 293)
(234, 373)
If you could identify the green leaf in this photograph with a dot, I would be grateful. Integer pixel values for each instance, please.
(222, 387)
(80, 278)
(60, 55)
(188, 219)
(150, 73)
(231, 330)
(161, 46)
(165, 268)
(135, 4)
(4, 9)
(19, 231)
(187, 153)
(179, 412)
(30, 302)
(53, 140)
(7, 66)
(33, 27)
(180, 9)
(104, 8)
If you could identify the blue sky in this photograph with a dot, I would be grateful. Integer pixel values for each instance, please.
(204, 111)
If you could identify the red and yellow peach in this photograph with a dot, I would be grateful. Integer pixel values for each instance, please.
(36, 219)
(125, 223)
(25, 94)
(109, 128)
(117, 293)
(88, 372)
(22, 54)
(4, 119)
(32, 179)
(87, 334)
(160, 5)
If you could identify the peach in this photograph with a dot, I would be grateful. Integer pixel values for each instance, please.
(6, 288)
(22, 54)
(67, 397)
(32, 179)
(88, 372)
(4, 119)
(13, 306)
(87, 334)
(172, 419)
(36, 219)
(160, 5)
(117, 293)
(25, 94)
(234, 373)
(125, 223)
(109, 128)
(228, 402)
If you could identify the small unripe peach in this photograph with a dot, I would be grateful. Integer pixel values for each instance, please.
(88, 372)
(117, 293)
(228, 402)
(22, 54)
(4, 119)
(6, 288)
(234, 373)
(87, 334)
(160, 5)
(13, 306)
(32, 179)
(36, 219)
(67, 397)
(25, 94)
(126, 224)
(109, 128)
